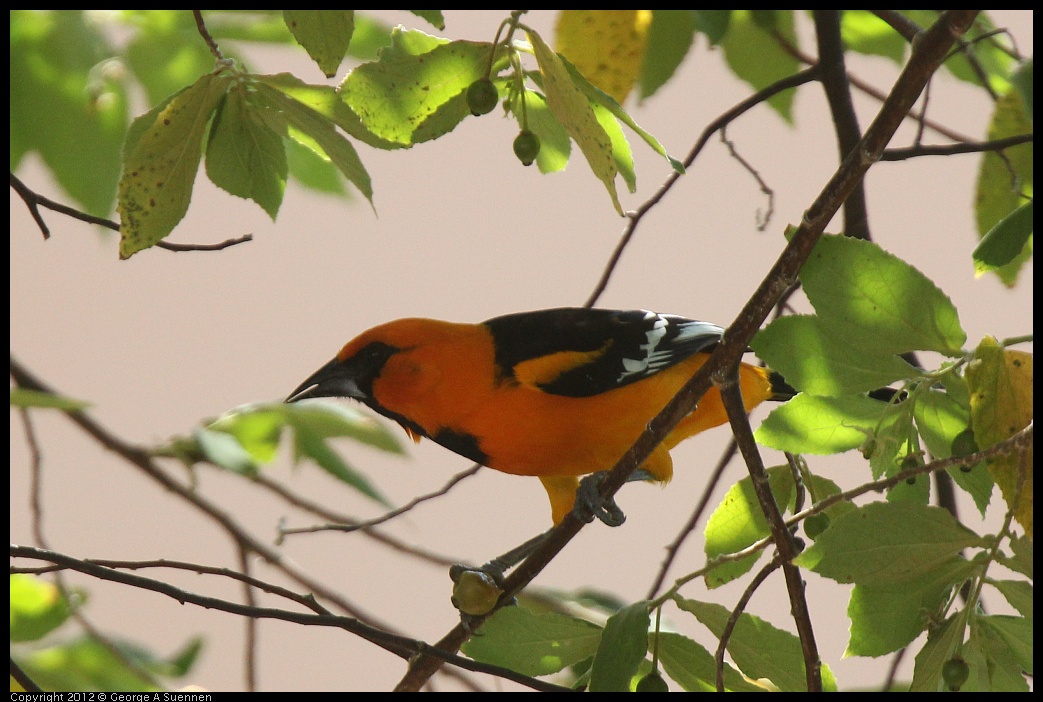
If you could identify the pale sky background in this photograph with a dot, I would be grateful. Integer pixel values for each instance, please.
(462, 232)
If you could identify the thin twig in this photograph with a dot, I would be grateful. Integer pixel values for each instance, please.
(634, 218)
(387, 516)
(34, 200)
(762, 221)
(733, 619)
(400, 646)
(205, 33)
(972, 147)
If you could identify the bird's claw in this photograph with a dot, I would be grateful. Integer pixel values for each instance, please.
(590, 503)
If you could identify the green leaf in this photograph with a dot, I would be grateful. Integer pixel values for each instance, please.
(66, 90)
(333, 420)
(20, 397)
(815, 359)
(888, 616)
(317, 131)
(224, 451)
(1018, 594)
(621, 153)
(757, 648)
(324, 34)
(994, 664)
(712, 23)
(249, 435)
(862, 292)
(864, 32)
(1005, 241)
(533, 643)
(738, 522)
(571, 107)
(554, 140)
(887, 543)
(997, 196)
(312, 170)
(1023, 555)
(420, 81)
(623, 646)
(1016, 632)
(244, 156)
(257, 428)
(160, 163)
(309, 444)
(692, 667)
(756, 57)
(821, 425)
(88, 665)
(940, 419)
(599, 98)
(37, 607)
(670, 36)
(434, 17)
(979, 56)
(326, 101)
(942, 643)
(1023, 81)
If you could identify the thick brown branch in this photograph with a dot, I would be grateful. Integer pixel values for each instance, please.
(833, 73)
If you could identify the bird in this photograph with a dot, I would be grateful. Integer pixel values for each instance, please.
(555, 393)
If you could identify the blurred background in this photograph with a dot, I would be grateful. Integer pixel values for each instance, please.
(461, 232)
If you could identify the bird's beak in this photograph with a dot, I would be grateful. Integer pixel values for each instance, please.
(335, 379)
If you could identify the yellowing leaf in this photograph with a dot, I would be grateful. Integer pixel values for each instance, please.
(571, 108)
(607, 46)
(160, 163)
(1000, 382)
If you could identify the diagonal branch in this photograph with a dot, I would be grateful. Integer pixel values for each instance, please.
(927, 55)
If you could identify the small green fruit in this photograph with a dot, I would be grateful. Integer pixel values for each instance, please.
(526, 147)
(482, 97)
(964, 444)
(955, 672)
(653, 682)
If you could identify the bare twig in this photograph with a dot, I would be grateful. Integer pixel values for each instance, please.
(34, 200)
(973, 147)
(387, 516)
(634, 218)
(401, 646)
(762, 221)
(733, 618)
(205, 33)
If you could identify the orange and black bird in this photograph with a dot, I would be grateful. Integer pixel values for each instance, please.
(556, 394)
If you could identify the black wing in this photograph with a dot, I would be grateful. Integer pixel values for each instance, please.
(580, 352)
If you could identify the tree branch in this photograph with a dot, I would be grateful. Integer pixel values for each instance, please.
(845, 121)
(927, 55)
(400, 646)
(634, 218)
(33, 201)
